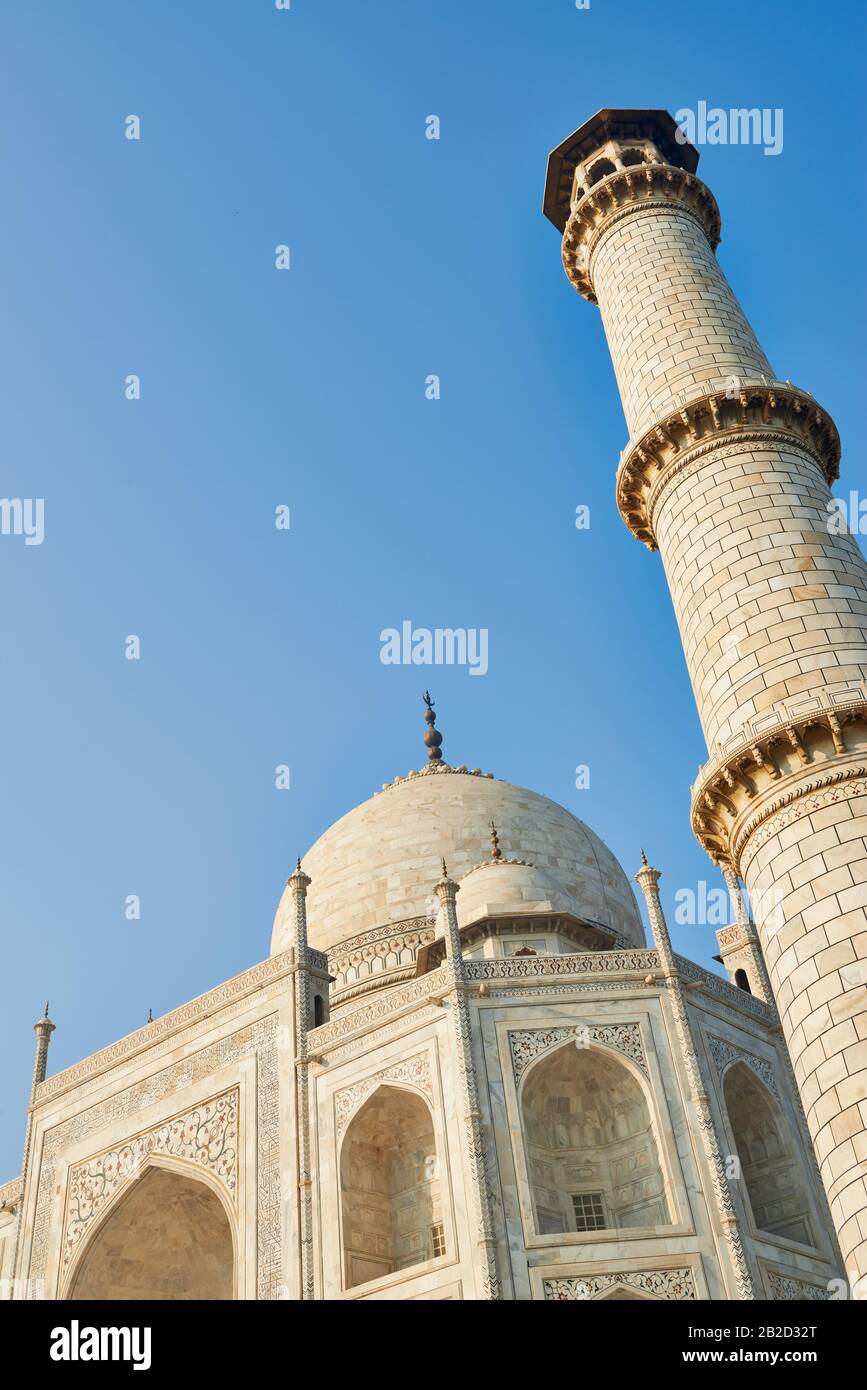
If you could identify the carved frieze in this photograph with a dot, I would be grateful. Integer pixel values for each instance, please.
(719, 423)
(732, 823)
(648, 188)
(826, 789)
(786, 1289)
(730, 937)
(669, 1284)
(638, 962)
(527, 1044)
(747, 1003)
(382, 1006)
(377, 958)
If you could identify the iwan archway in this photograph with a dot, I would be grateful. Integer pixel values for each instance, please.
(169, 1237)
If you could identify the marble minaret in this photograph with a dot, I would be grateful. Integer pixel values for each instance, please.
(727, 473)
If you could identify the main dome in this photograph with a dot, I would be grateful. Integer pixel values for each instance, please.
(377, 865)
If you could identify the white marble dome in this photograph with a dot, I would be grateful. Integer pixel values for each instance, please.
(377, 865)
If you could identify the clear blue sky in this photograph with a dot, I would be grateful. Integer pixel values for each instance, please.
(409, 257)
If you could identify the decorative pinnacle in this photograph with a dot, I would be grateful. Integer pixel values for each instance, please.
(432, 737)
(298, 879)
(445, 868)
(44, 1025)
(496, 852)
(643, 857)
(150, 1015)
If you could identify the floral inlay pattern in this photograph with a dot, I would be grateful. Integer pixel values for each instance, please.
(676, 1284)
(207, 1135)
(527, 1044)
(415, 1071)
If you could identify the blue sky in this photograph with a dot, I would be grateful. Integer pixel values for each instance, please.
(306, 388)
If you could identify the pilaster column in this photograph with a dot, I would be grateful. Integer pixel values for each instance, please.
(446, 890)
(299, 882)
(648, 880)
(727, 473)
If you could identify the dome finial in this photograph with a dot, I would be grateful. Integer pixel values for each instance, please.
(432, 738)
(496, 852)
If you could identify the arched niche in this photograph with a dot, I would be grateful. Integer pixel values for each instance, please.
(600, 170)
(770, 1164)
(591, 1151)
(169, 1237)
(390, 1187)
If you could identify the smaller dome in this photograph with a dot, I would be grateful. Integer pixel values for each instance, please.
(511, 888)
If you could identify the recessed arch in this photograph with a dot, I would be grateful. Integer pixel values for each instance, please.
(390, 1186)
(600, 170)
(169, 1234)
(591, 1150)
(770, 1163)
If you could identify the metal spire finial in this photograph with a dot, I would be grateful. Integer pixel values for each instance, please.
(45, 1014)
(432, 738)
(496, 852)
(445, 868)
(643, 857)
(150, 1015)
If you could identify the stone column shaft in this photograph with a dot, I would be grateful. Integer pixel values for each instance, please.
(446, 890)
(648, 879)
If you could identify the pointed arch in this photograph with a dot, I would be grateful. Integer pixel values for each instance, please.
(770, 1162)
(591, 1148)
(390, 1186)
(169, 1233)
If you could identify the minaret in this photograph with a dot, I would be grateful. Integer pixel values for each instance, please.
(43, 1028)
(726, 473)
(299, 882)
(446, 890)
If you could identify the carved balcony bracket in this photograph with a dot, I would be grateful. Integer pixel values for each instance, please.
(680, 441)
(653, 187)
(763, 770)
